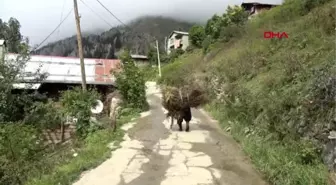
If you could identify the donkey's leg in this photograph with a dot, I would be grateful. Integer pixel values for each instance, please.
(179, 122)
(187, 127)
(171, 122)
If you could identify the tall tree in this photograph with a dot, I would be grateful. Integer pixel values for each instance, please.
(10, 31)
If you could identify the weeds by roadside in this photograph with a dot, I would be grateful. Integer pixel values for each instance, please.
(280, 163)
(92, 151)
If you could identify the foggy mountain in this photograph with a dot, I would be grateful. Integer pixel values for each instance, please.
(138, 36)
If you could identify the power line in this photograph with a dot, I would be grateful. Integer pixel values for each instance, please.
(96, 13)
(61, 16)
(53, 31)
(138, 34)
(112, 14)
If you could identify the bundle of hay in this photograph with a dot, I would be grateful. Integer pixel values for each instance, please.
(175, 99)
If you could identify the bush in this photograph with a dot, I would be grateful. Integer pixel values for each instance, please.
(131, 83)
(190, 49)
(230, 32)
(213, 26)
(44, 115)
(175, 54)
(207, 44)
(20, 147)
(169, 78)
(150, 73)
(233, 16)
(197, 35)
(78, 103)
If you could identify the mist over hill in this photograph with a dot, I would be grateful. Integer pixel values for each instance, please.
(138, 36)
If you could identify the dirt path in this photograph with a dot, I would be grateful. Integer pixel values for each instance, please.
(152, 154)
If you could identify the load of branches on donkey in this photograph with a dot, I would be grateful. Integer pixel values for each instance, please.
(179, 101)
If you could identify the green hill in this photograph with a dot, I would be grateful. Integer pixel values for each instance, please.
(275, 96)
(138, 36)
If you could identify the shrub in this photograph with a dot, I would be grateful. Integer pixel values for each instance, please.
(44, 115)
(131, 83)
(175, 54)
(190, 48)
(20, 147)
(78, 103)
(206, 44)
(231, 31)
(233, 15)
(213, 26)
(197, 35)
(150, 73)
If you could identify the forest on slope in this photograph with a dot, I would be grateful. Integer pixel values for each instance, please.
(138, 36)
(275, 96)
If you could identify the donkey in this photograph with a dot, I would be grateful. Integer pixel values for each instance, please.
(183, 114)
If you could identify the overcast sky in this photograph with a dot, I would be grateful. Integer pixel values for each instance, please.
(39, 17)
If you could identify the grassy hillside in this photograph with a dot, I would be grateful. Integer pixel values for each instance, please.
(276, 97)
(138, 36)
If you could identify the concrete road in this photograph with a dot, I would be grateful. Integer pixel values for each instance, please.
(152, 154)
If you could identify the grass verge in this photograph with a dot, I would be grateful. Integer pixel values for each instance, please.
(279, 163)
(150, 73)
(91, 152)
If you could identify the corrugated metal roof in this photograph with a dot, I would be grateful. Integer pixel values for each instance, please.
(179, 32)
(264, 2)
(67, 69)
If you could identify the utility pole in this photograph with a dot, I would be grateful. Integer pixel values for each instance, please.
(158, 55)
(80, 47)
(165, 44)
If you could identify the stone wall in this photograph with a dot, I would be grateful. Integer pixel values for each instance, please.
(53, 137)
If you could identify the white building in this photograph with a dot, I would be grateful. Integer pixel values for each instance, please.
(177, 39)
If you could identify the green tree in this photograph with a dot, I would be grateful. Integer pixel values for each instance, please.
(234, 15)
(10, 70)
(10, 31)
(213, 26)
(20, 142)
(197, 35)
(131, 83)
(78, 103)
(152, 56)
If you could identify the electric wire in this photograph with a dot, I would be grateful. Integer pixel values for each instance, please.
(96, 13)
(53, 30)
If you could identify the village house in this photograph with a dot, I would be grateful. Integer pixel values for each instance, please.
(140, 60)
(254, 8)
(177, 39)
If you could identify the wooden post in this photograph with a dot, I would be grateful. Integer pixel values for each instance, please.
(158, 55)
(166, 44)
(80, 47)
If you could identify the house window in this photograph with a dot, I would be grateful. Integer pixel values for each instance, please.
(179, 36)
